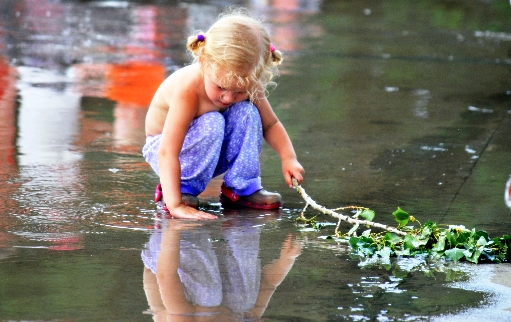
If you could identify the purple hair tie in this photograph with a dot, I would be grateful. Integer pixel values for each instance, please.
(272, 47)
(200, 37)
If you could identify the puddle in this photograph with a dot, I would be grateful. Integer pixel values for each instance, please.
(387, 104)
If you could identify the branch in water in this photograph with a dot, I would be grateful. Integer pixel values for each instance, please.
(341, 217)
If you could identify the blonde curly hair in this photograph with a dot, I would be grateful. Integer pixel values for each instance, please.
(239, 44)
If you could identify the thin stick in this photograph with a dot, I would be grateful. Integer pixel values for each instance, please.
(313, 204)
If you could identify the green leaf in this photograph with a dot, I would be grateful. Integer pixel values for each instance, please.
(506, 240)
(475, 254)
(468, 252)
(392, 238)
(367, 214)
(408, 242)
(354, 242)
(440, 245)
(431, 224)
(463, 238)
(363, 246)
(449, 236)
(426, 232)
(481, 233)
(455, 254)
(401, 216)
(482, 241)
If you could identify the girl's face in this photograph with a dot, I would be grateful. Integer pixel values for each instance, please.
(221, 89)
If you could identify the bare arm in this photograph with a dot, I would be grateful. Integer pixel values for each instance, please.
(171, 288)
(277, 138)
(182, 108)
(152, 292)
(274, 273)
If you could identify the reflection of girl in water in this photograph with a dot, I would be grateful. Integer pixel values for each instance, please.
(187, 279)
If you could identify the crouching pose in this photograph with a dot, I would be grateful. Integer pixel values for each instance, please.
(209, 118)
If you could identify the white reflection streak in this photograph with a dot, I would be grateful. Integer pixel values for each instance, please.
(492, 280)
(48, 119)
(421, 105)
(48, 125)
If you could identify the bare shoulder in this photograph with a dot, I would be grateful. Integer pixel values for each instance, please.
(178, 92)
(182, 80)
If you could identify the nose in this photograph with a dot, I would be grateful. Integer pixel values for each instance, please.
(228, 97)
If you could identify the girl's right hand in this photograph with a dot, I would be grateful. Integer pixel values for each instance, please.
(185, 212)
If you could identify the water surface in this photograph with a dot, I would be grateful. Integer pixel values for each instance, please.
(388, 104)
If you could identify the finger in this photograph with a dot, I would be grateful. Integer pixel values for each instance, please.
(288, 178)
(298, 176)
(205, 215)
(201, 215)
(195, 216)
(185, 212)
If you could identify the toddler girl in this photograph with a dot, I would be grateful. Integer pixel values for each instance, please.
(209, 118)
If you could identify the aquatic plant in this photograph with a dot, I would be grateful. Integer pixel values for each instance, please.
(455, 242)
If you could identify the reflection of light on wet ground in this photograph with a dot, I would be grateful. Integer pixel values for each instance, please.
(418, 286)
(49, 176)
(434, 148)
(492, 280)
(48, 118)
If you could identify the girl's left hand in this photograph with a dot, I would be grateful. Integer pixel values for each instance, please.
(292, 169)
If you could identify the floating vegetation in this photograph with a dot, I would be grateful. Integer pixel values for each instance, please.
(410, 238)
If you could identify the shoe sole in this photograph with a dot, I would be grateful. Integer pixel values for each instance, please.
(226, 202)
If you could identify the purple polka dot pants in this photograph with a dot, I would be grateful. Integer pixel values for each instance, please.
(217, 143)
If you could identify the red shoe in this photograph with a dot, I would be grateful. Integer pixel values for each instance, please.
(187, 199)
(158, 193)
(261, 199)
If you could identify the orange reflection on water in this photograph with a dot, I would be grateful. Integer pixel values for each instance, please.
(8, 167)
(134, 83)
(7, 114)
(131, 85)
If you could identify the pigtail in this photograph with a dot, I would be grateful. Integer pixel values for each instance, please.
(276, 55)
(195, 42)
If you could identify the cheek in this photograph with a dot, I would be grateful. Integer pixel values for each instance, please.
(212, 91)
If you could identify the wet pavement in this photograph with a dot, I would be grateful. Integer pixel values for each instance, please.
(388, 104)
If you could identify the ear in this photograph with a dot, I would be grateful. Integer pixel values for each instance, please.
(202, 63)
(205, 67)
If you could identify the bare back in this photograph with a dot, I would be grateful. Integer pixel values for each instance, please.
(186, 82)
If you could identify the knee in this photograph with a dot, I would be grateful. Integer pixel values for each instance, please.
(212, 125)
(212, 119)
(244, 110)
